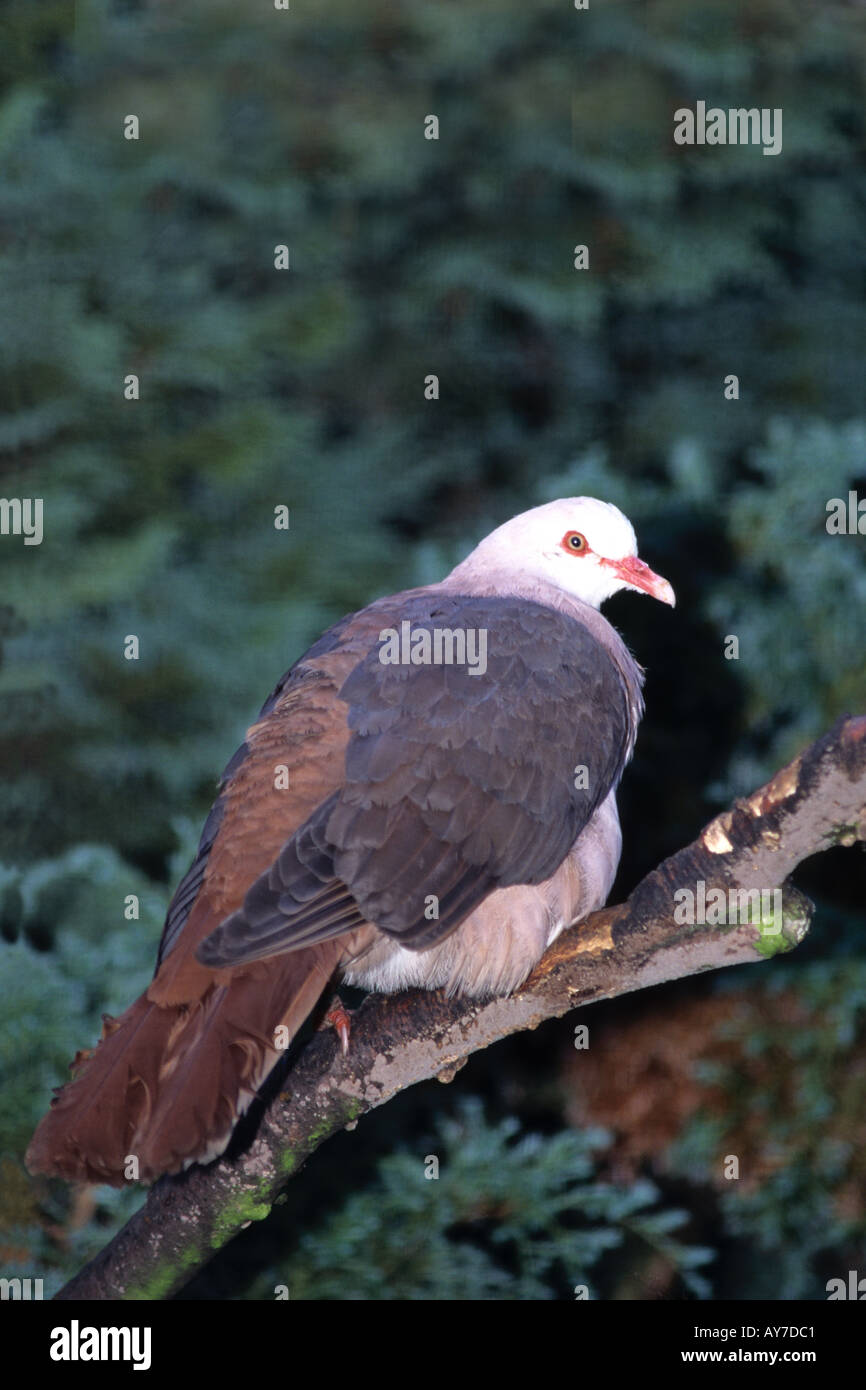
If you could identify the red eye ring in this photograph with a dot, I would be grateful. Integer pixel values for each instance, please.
(575, 543)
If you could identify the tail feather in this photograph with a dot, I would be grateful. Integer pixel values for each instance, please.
(167, 1083)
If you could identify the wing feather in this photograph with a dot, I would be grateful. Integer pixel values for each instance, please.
(455, 782)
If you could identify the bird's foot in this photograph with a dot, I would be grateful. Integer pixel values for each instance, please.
(338, 1019)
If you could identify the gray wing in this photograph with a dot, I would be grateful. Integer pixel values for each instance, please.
(456, 783)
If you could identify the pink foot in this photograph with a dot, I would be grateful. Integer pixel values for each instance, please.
(340, 1021)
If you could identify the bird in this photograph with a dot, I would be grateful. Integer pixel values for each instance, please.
(391, 820)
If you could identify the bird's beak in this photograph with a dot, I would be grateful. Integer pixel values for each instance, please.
(637, 575)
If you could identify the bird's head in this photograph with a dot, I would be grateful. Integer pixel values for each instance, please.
(585, 547)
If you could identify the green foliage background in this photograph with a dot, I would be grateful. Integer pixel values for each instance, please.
(305, 388)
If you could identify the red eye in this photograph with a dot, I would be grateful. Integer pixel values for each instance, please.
(574, 543)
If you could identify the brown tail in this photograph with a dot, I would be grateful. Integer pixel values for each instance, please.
(167, 1083)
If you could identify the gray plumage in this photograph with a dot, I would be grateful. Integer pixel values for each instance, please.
(457, 787)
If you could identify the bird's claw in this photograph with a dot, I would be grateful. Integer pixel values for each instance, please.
(338, 1019)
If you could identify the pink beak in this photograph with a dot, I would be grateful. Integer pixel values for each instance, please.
(637, 575)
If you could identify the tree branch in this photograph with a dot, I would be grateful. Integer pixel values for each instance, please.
(817, 801)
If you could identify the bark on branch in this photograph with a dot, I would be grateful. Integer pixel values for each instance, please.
(817, 801)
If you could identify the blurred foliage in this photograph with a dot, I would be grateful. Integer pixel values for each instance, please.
(769, 1070)
(305, 388)
(506, 1216)
(791, 1098)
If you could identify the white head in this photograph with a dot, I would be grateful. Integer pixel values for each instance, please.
(584, 547)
